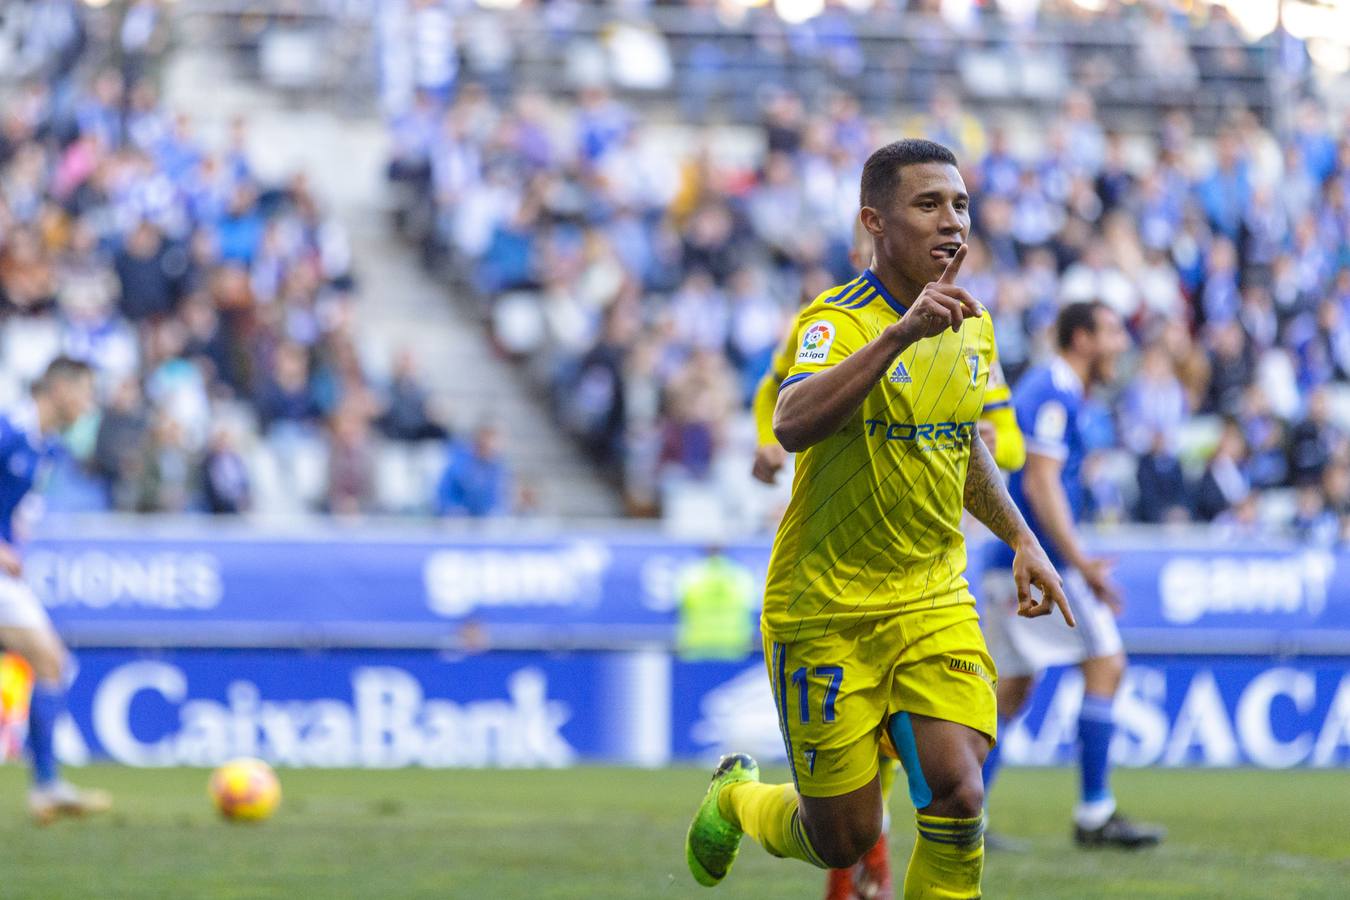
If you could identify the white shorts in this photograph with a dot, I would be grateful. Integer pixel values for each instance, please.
(1022, 647)
(19, 606)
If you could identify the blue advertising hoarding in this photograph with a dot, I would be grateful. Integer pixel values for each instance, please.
(357, 589)
(1170, 711)
(1233, 598)
(382, 708)
(420, 590)
(330, 649)
(362, 708)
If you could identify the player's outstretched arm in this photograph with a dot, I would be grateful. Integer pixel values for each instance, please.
(1050, 505)
(811, 410)
(987, 498)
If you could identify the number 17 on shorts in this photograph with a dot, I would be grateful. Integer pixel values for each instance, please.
(830, 729)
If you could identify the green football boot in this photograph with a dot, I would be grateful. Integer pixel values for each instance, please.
(713, 842)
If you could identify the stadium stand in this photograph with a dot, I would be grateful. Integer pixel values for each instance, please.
(642, 266)
(217, 307)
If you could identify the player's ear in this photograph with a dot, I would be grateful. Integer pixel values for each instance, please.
(871, 220)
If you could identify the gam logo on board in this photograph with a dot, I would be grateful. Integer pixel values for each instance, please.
(460, 581)
(1191, 588)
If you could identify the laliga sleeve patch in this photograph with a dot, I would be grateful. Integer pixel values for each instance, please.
(816, 341)
(996, 379)
(1051, 421)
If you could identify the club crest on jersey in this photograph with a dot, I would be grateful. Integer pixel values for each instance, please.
(816, 342)
(810, 760)
(973, 361)
(900, 375)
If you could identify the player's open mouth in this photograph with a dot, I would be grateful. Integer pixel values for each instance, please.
(946, 251)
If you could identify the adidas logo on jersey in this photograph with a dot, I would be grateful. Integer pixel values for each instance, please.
(900, 375)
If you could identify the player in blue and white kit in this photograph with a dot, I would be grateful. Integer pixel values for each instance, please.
(1048, 401)
(29, 439)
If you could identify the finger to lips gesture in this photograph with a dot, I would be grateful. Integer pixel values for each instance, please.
(942, 304)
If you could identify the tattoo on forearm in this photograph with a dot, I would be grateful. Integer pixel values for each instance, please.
(986, 496)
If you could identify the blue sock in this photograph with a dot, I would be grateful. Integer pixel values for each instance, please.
(1095, 728)
(49, 701)
(995, 757)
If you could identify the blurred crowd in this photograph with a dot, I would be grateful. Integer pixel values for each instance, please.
(646, 270)
(216, 307)
(717, 56)
(643, 268)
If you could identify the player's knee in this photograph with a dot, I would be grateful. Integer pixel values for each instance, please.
(963, 799)
(1102, 676)
(1116, 666)
(847, 849)
(842, 848)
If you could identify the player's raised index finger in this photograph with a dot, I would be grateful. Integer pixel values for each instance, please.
(949, 274)
(1063, 603)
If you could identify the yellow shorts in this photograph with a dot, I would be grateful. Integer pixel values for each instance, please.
(836, 694)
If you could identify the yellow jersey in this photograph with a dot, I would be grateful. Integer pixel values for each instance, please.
(874, 523)
(1010, 452)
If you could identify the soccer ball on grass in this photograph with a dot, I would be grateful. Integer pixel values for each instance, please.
(245, 790)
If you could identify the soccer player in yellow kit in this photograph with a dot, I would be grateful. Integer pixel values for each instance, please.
(869, 627)
(871, 877)
(998, 422)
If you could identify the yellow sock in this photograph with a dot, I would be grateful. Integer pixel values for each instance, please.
(948, 859)
(769, 814)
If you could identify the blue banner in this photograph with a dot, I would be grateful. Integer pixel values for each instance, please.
(1204, 596)
(1206, 711)
(1276, 598)
(360, 590)
(370, 708)
(1170, 711)
(353, 588)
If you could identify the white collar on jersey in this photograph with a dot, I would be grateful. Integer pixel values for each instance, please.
(1065, 378)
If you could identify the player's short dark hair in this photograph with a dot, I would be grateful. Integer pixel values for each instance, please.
(1078, 316)
(881, 172)
(63, 368)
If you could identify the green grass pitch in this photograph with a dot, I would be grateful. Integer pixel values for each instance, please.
(618, 833)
